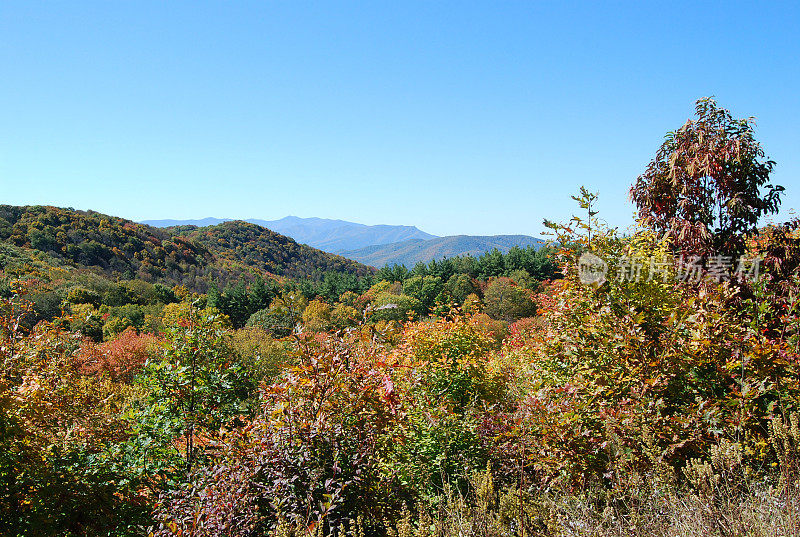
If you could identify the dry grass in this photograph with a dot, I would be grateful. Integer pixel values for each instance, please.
(720, 497)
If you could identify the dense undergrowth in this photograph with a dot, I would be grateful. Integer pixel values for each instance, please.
(633, 407)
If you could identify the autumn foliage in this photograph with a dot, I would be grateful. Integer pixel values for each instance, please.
(460, 398)
(121, 358)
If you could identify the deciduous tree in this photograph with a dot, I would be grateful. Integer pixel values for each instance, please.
(708, 184)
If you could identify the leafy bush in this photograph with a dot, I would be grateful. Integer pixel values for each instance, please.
(56, 424)
(261, 356)
(193, 390)
(120, 358)
(312, 456)
(391, 307)
(505, 299)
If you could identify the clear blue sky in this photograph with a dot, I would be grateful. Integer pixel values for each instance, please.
(459, 117)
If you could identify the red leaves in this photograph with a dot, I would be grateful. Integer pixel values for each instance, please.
(389, 396)
(708, 184)
(120, 358)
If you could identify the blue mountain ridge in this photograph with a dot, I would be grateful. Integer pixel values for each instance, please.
(376, 245)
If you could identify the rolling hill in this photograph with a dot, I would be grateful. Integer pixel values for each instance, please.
(238, 242)
(186, 255)
(329, 235)
(414, 251)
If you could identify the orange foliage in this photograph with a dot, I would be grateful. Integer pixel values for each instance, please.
(120, 358)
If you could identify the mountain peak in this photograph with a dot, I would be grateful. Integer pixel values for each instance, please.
(323, 233)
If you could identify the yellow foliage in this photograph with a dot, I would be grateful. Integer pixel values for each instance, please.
(317, 316)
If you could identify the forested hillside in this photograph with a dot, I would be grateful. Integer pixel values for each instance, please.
(237, 242)
(110, 244)
(179, 256)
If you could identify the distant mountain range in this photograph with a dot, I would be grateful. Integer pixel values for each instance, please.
(414, 251)
(322, 233)
(202, 222)
(377, 245)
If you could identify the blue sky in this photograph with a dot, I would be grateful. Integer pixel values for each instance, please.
(462, 117)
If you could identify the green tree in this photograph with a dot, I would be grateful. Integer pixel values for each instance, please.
(424, 289)
(192, 391)
(507, 301)
(491, 264)
(394, 273)
(261, 294)
(164, 294)
(460, 286)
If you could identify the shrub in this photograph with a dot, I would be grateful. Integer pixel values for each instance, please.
(317, 316)
(88, 321)
(344, 316)
(506, 300)
(55, 478)
(120, 358)
(261, 356)
(81, 295)
(311, 457)
(275, 321)
(115, 326)
(389, 307)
